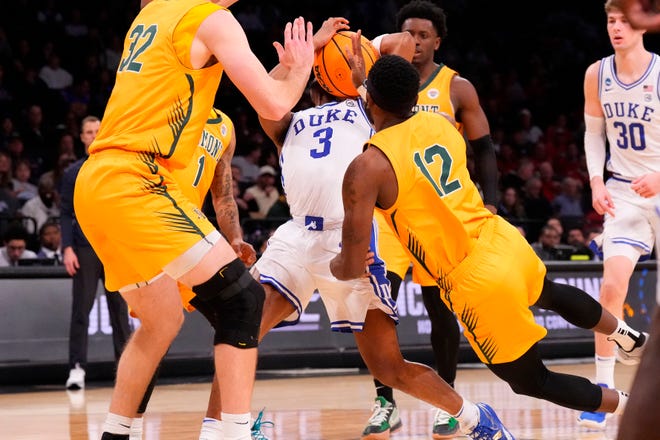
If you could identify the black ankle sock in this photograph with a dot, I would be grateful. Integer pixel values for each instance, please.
(108, 436)
(384, 391)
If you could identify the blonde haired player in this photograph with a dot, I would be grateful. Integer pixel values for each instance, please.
(622, 109)
(148, 235)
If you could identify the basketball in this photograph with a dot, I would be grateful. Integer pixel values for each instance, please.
(331, 67)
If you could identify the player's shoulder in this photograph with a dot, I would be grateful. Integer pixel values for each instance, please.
(595, 66)
(461, 84)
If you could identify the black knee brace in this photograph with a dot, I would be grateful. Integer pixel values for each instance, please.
(236, 300)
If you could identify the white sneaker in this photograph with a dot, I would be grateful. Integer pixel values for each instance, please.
(632, 356)
(76, 380)
(444, 425)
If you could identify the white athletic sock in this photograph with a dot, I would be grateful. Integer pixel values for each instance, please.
(623, 400)
(605, 370)
(211, 429)
(624, 335)
(116, 424)
(237, 426)
(468, 416)
(136, 428)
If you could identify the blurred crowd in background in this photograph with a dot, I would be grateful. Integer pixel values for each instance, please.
(58, 60)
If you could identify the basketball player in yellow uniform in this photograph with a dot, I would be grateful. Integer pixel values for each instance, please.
(414, 171)
(441, 90)
(210, 169)
(148, 235)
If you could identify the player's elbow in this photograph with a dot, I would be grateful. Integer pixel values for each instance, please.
(343, 272)
(407, 46)
(274, 111)
(400, 43)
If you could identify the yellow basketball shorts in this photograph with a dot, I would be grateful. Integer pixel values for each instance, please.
(491, 292)
(137, 219)
(396, 257)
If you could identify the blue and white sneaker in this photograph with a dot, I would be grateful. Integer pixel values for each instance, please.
(593, 420)
(489, 426)
(257, 434)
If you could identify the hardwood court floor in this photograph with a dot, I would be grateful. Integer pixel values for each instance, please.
(328, 407)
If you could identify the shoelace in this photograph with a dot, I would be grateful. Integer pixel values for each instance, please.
(257, 434)
(380, 415)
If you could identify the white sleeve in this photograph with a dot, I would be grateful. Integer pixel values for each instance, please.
(376, 42)
(594, 145)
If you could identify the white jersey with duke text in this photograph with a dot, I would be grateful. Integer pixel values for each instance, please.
(320, 144)
(632, 116)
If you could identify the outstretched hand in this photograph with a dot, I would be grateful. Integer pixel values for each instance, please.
(298, 49)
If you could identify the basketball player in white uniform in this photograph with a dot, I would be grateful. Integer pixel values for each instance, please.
(314, 154)
(622, 108)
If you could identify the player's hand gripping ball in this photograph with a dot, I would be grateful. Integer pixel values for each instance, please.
(331, 67)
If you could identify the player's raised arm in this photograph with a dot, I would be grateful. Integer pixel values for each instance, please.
(221, 36)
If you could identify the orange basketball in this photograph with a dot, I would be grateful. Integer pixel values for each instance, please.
(331, 67)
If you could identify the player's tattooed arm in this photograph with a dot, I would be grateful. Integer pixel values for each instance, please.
(225, 207)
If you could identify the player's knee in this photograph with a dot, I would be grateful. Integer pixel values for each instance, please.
(236, 300)
(165, 323)
(612, 293)
(239, 318)
(526, 386)
(225, 283)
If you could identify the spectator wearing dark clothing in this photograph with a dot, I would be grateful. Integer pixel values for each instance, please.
(576, 238)
(50, 242)
(549, 247)
(537, 207)
(9, 204)
(82, 263)
(510, 206)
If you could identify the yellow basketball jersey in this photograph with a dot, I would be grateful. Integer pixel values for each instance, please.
(434, 93)
(434, 96)
(159, 104)
(438, 211)
(195, 179)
